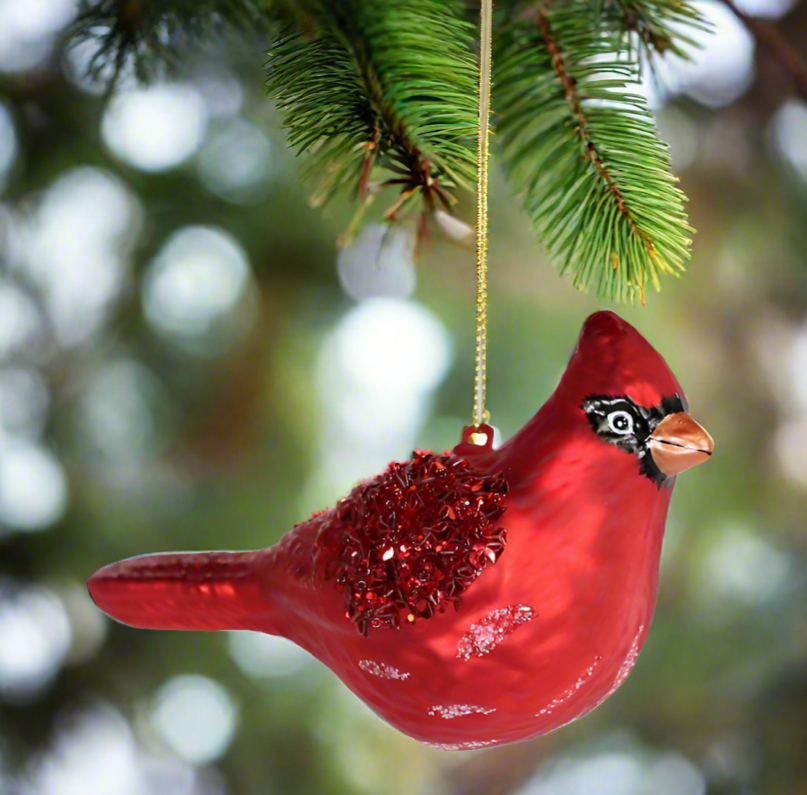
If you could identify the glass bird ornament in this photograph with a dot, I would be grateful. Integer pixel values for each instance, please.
(480, 597)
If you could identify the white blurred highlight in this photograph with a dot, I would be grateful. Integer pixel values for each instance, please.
(33, 487)
(741, 569)
(155, 128)
(789, 127)
(75, 246)
(36, 634)
(718, 73)
(788, 363)
(377, 372)
(117, 410)
(236, 162)
(20, 325)
(379, 263)
(223, 94)
(798, 363)
(8, 145)
(194, 291)
(266, 656)
(196, 718)
(765, 9)
(94, 752)
(629, 770)
(24, 402)
(790, 444)
(88, 624)
(28, 30)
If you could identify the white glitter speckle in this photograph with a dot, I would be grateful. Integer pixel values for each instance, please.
(458, 710)
(629, 662)
(467, 746)
(382, 670)
(492, 630)
(567, 694)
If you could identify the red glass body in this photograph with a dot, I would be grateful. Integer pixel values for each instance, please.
(541, 637)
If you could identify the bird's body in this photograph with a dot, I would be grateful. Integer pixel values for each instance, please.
(546, 627)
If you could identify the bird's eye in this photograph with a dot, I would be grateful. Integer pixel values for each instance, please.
(620, 422)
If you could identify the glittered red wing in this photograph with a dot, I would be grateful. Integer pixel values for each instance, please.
(186, 590)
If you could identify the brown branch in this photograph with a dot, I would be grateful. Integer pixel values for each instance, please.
(568, 83)
(778, 46)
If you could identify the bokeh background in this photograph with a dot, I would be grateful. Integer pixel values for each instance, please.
(187, 361)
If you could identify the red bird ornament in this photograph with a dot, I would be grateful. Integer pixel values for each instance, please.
(480, 597)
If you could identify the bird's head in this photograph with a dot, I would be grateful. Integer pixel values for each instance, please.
(625, 395)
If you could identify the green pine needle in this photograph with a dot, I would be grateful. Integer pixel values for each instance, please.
(657, 26)
(583, 151)
(380, 90)
(155, 35)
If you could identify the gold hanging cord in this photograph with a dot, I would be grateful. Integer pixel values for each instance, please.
(481, 416)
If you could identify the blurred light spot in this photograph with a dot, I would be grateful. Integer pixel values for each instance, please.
(236, 162)
(790, 134)
(798, 359)
(80, 54)
(619, 771)
(196, 717)
(24, 401)
(223, 95)
(790, 444)
(673, 774)
(33, 487)
(731, 759)
(19, 320)
(27, 30)
(36, 636)
(615, 773)
(166, 775)
(456, 229)
(765, 9)
(266, 656)
(377, 371)
(155, 128)
(743, 567)
(194, 289)
(74, 247)
(387, 346)
(680, 132)
(8, 144)
(380, 262)
(89, 624)
(93, 753)
(718, 73)
(118, 408)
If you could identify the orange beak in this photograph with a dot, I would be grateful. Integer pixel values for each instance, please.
(679, 443)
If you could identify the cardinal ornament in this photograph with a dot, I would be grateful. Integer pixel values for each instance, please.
(475, 598)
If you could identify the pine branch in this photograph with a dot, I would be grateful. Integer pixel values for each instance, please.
(156, 34)
(380, 95)
(658, 26)
(583, 151)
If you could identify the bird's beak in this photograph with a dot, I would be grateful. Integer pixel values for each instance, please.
(679, 443)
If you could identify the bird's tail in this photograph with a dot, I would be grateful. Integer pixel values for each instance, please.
(185, 590)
